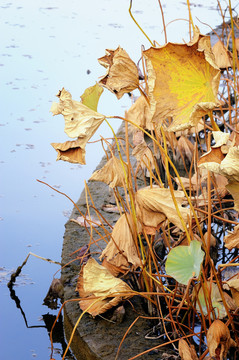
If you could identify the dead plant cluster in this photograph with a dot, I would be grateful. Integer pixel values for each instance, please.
(175, 180)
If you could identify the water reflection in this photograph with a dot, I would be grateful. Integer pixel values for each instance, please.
(48, 319)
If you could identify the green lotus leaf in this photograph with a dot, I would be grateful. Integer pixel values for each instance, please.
(184, 262)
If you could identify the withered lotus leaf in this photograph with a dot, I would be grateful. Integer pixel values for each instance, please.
(212, 240)
(155, 204)
(214, 157)
(80, 120)
(113, 269)
(187, 183)
(221, 185)
(112, 173)
(70, 151)
(234, 287)
(233, 188)
(223, 57)
(193, 130)
(232, 240)
(182, 84)
(197, 180)
(139, 113)
(144, 156)
(96, 281)
(219, 340)
(121, 250)
(231, 304)
(138, 137)
(237, 44)
(186, 352)
(122, 74)
(184, 148)
(220, 138)
(230, 165)
(203, 45)
(227, 166)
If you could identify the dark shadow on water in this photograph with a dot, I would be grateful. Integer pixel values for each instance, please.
(58, 332)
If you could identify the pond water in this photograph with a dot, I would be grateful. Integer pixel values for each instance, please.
(45, 45)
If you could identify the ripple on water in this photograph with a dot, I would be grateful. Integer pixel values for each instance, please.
(21, 280)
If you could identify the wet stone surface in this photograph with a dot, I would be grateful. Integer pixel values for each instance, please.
(99, 338)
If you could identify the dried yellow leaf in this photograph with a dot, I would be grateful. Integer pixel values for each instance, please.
(223, 57)
(185, 148)
(203, 45)
(233, 188)
(121, 250)
(112, 173)
(197, 180)
(232, 240)
(122, 73)
(221, 185)
(237, 44)
(138, 137)
(219, 340)
(97, 282)
(227, 166)
(182, 83)
(220, 138)
(213, 157)
(154, 204)
(186, 352)
(139, 113)
(80, 121)
(113, 269)
(212, 240)
(145, 157)
(186, 183)
(193, 130)
(234, 287)
(70, 151)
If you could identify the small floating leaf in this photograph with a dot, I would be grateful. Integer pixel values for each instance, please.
(184, 262)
